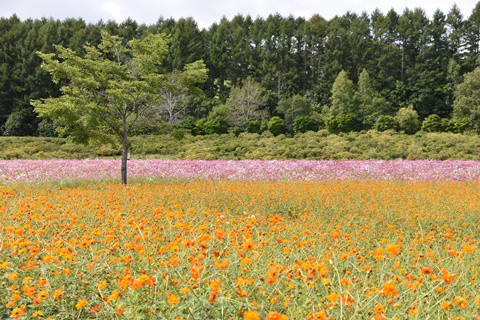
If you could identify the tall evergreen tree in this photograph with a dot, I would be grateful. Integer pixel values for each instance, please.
(343, 92)
(430, 88)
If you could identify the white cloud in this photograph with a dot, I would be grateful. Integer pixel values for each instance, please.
(112, 10)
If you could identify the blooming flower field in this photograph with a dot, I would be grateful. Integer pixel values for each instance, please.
(240, 240)
(99, 169)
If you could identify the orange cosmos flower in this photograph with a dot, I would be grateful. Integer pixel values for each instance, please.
(248, 245)
(12, 276)
(378, 309)
(172, 299)
(460, 302)
(393, 250)
(17, 313)
(222, 264)
(114, 295)
(185, 291)
(389, 289)
(174, 261)
(94, 309)
(468, 248)
(251, 315)
(320, 315)
(195, 272)
(120, 311)
(447, 277)
(15, 297)
(29, 291)
(275, 316)
(82, 303)
(43, 294)
(332, 297)
(57, 294)
(215, 286)
(272, 274)
(446, 305)
(220, 234)
(426, 270)
(274, 219)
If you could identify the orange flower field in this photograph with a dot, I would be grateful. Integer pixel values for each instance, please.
(204, 249)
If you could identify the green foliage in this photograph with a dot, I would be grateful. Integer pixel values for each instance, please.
(206, 126)
(304, 123)
(178, 134)
(407, 120)
(20, 123)
(342, 123)
(309, 145)
(384, 123)
(293, 107)
(364, 98)
(277, 126)
(411, 59)
(342, 95)
(217, 125)
(370, 103)
(433, 123)
(46, 128)
(105, 92)
(257, 126)
(467, 100)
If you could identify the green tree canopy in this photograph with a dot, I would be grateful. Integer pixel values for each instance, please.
(407, 119)
(467, 100)
(292, 107)
(342, 95)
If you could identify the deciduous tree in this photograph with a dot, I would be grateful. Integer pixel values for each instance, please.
(467, 100)
(105, 92)
(245, 103)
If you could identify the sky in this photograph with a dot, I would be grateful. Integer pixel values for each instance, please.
(206, 13)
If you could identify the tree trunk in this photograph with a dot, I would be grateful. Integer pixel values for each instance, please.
(125, 146)
(124, 161)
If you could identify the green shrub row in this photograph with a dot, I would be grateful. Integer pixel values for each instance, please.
(309, 145)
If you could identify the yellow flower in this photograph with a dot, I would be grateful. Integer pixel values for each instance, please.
(17, 313)
(37, 314)
(102, 285)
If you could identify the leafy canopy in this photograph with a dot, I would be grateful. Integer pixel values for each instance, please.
(106, 91)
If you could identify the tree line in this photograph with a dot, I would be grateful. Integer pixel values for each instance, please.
(391, 70)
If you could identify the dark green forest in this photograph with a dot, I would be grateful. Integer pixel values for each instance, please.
(385, 71)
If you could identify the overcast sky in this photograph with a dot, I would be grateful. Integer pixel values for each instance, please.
(208, 12)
